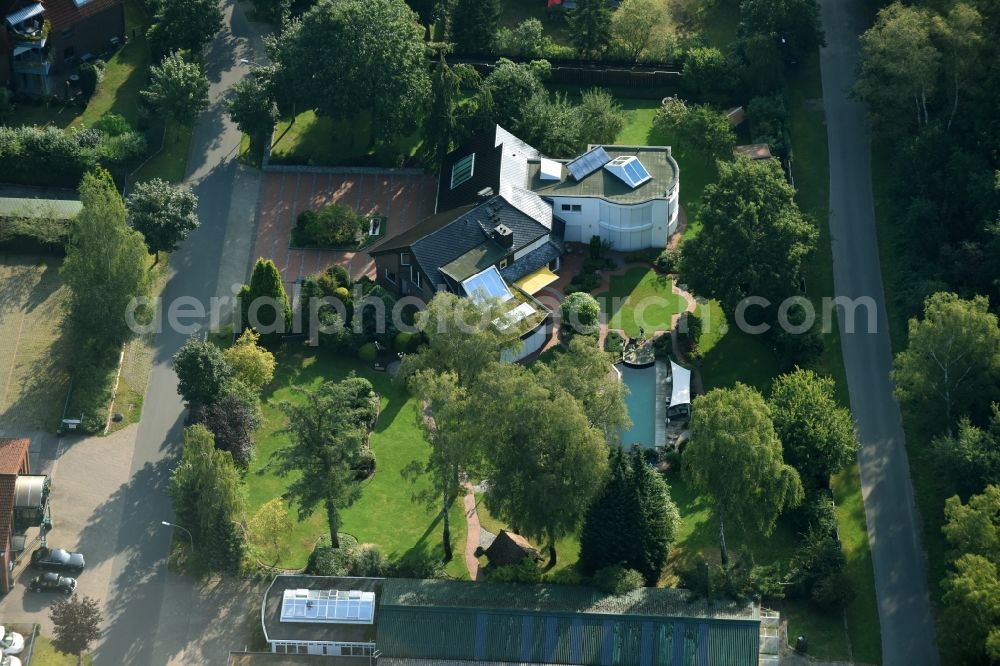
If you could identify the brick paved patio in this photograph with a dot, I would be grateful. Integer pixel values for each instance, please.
(403, 199)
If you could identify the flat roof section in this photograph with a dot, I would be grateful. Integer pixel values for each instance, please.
(276, 629)
(659, 163)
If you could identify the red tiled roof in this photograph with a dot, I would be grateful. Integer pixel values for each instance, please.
(64, 13)
(61, 13)
(12, 455)
(7, 482)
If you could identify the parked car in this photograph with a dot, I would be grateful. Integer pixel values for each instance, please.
(7, 660)
(52, 582)
(11, 642)
(57, 559)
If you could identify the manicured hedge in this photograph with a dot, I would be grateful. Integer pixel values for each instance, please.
(49, 156)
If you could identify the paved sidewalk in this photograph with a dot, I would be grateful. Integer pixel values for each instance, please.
(472, 537)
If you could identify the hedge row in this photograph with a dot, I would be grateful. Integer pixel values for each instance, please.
(50, 156)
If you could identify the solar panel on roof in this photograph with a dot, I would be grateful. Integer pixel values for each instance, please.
(588, 163)
(485, 285)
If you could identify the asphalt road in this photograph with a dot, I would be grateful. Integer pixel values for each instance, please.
(893, 522)
(144, 625)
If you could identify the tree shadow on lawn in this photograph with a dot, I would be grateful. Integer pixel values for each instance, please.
(740, 357)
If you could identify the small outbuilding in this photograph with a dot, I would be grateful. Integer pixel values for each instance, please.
(509, 548)
(754, 151)
(680, 392)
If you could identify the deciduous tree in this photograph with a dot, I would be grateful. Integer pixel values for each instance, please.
(185, 25)
(105, 267)
(162, 213)
(349, 56)
(178, 89)
(252, 106)
(971, 457)
(584, 372)
(817, 434)
(735, 458)
(545, 460)
(232, 423)
(900, 64)
(754, 241)
(633, 23)
(327, 431)
(76, 623)
(202, 372)
(511, 86)
(601, 118)
(796, 23)
(269, 529)
(208, 500)
(951, 364)
(250, 363)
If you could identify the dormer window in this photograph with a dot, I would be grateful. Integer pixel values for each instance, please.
(462, 170)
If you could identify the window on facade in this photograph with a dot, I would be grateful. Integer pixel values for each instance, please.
(462, 170)
(390, 276)
(404, 258)
(503, 263)
(279, 648)
(554, 264)
(572, 208)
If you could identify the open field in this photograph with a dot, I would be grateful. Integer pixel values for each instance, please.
(385, 513)
(33, 375)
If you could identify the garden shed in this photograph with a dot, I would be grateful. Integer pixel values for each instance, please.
(509, 548)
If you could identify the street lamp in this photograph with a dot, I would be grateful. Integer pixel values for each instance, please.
(186, 530)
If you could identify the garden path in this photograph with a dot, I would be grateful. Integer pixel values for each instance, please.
(472, 535)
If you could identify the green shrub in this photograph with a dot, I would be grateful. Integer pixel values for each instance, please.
(112, 124)
(335, 225)
(569, 576)
(662, 346)
(526, 571)
(591, 265)
(595, 246)
(93, 389)
(614, 342)
(641, 257)
(416, 564)
(88, 79)
(367, 352)
(365, 466)
(408, 343)
(326, 561)
(583, 282)
(668, 261)
(49, 156)
(340, 274)
(581, 313)
(616, 579)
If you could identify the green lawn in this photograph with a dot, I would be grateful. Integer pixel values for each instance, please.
(640, 298)
(319, 140)
(384, 514)
(45, 654)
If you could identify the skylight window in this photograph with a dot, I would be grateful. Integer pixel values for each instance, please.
(462, 170)
(487, 285)
(630, 170)
(328, 606)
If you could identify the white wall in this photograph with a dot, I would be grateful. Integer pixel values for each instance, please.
(628, 227)
(530, 345)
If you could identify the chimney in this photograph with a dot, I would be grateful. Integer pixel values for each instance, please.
(503, 236)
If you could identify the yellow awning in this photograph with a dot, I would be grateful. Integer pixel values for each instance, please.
(535, 282)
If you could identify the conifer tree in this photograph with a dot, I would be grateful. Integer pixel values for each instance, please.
(264, 303)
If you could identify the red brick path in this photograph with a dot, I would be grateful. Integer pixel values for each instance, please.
(403, 199)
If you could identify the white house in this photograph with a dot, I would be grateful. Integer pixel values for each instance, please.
(627, 195)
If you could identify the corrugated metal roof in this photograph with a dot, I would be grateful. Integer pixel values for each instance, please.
(530, 637)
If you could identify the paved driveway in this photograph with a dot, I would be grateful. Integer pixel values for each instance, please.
(893, 523)
(404, 199)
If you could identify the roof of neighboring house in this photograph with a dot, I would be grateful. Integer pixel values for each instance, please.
(454, 243)
(500, 164)
(509, 548)
(277, 630)
(603, 184)
(755, 151)
(64, 13)
(50, 209)
(12, 455)
(476, 622)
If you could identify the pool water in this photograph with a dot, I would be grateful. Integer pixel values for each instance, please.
(641, 403)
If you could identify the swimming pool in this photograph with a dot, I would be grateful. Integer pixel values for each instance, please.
(641, 403)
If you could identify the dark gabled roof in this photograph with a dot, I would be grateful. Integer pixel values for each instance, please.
(501, 163)
(531, 262)
(443, 238)
(509, 548)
